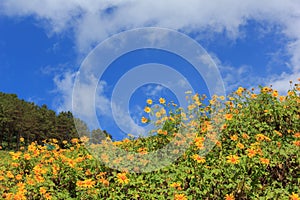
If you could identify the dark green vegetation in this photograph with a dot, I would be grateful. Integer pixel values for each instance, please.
(19, 118)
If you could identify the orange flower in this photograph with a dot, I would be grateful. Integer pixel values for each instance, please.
(261, 137)
(245, 136)
(19, 196)
(229, 197)
(253, 96)
(297, 135)
(18, 177)
(161, 132)
(251, 152)
(294, 196)
(233, 159)
(275, 93)
(199, 142)
(88, 183)
(47, 196)
(278, 133)
(240, 145)
(122, 178)
(9, 174)
(27, 156)
(198, 158)
(240, 91)
(290, 93)
(234, 137)
(281, 98)
(180, 197)
(43, 190)
(175, 185)
(228, 116)
(264, 161)
(104, 181)
(144, 120)
(297, 143)
(75, 140)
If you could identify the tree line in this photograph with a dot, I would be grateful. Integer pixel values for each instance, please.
(22, 119)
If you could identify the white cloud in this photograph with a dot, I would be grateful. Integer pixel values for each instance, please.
(64, 84)
(153, 91)
(93, 21)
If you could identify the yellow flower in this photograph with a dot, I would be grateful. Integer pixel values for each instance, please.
(75, 140)
(147, 109)
(175, 185)
(294, 196)
(228, 116)
(43, 190)
(265, 89)
(47, 196)
(88, 183)
(9, 174)
(251, 152)
(278, 133)
(144, 120)
(297, 143)
(18, 177)
(191, 107)
(199, 142)
(19, 196)
(161, 132)
(21, 139)
(15, 155)
(199, 159)
(229, 197)
(245, 136)
(27, 156)
(39, 179)
(234, 137)
(142, 150)
(162, 111)
(261, 137)
(264, 161)
(122, 178)
(158, 114)
(180, 197)
(281, 98)
(240, 145)
(290, 93)
(222, 98)
(233, 159)
(149, 101)
(275, 93)
(162, 100)
(240, 91)
(84, 139)
(253, 96)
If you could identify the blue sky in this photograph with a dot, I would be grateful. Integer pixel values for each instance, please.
(43, 45)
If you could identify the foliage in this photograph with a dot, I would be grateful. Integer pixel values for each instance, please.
(19, 118)
(255, 157)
